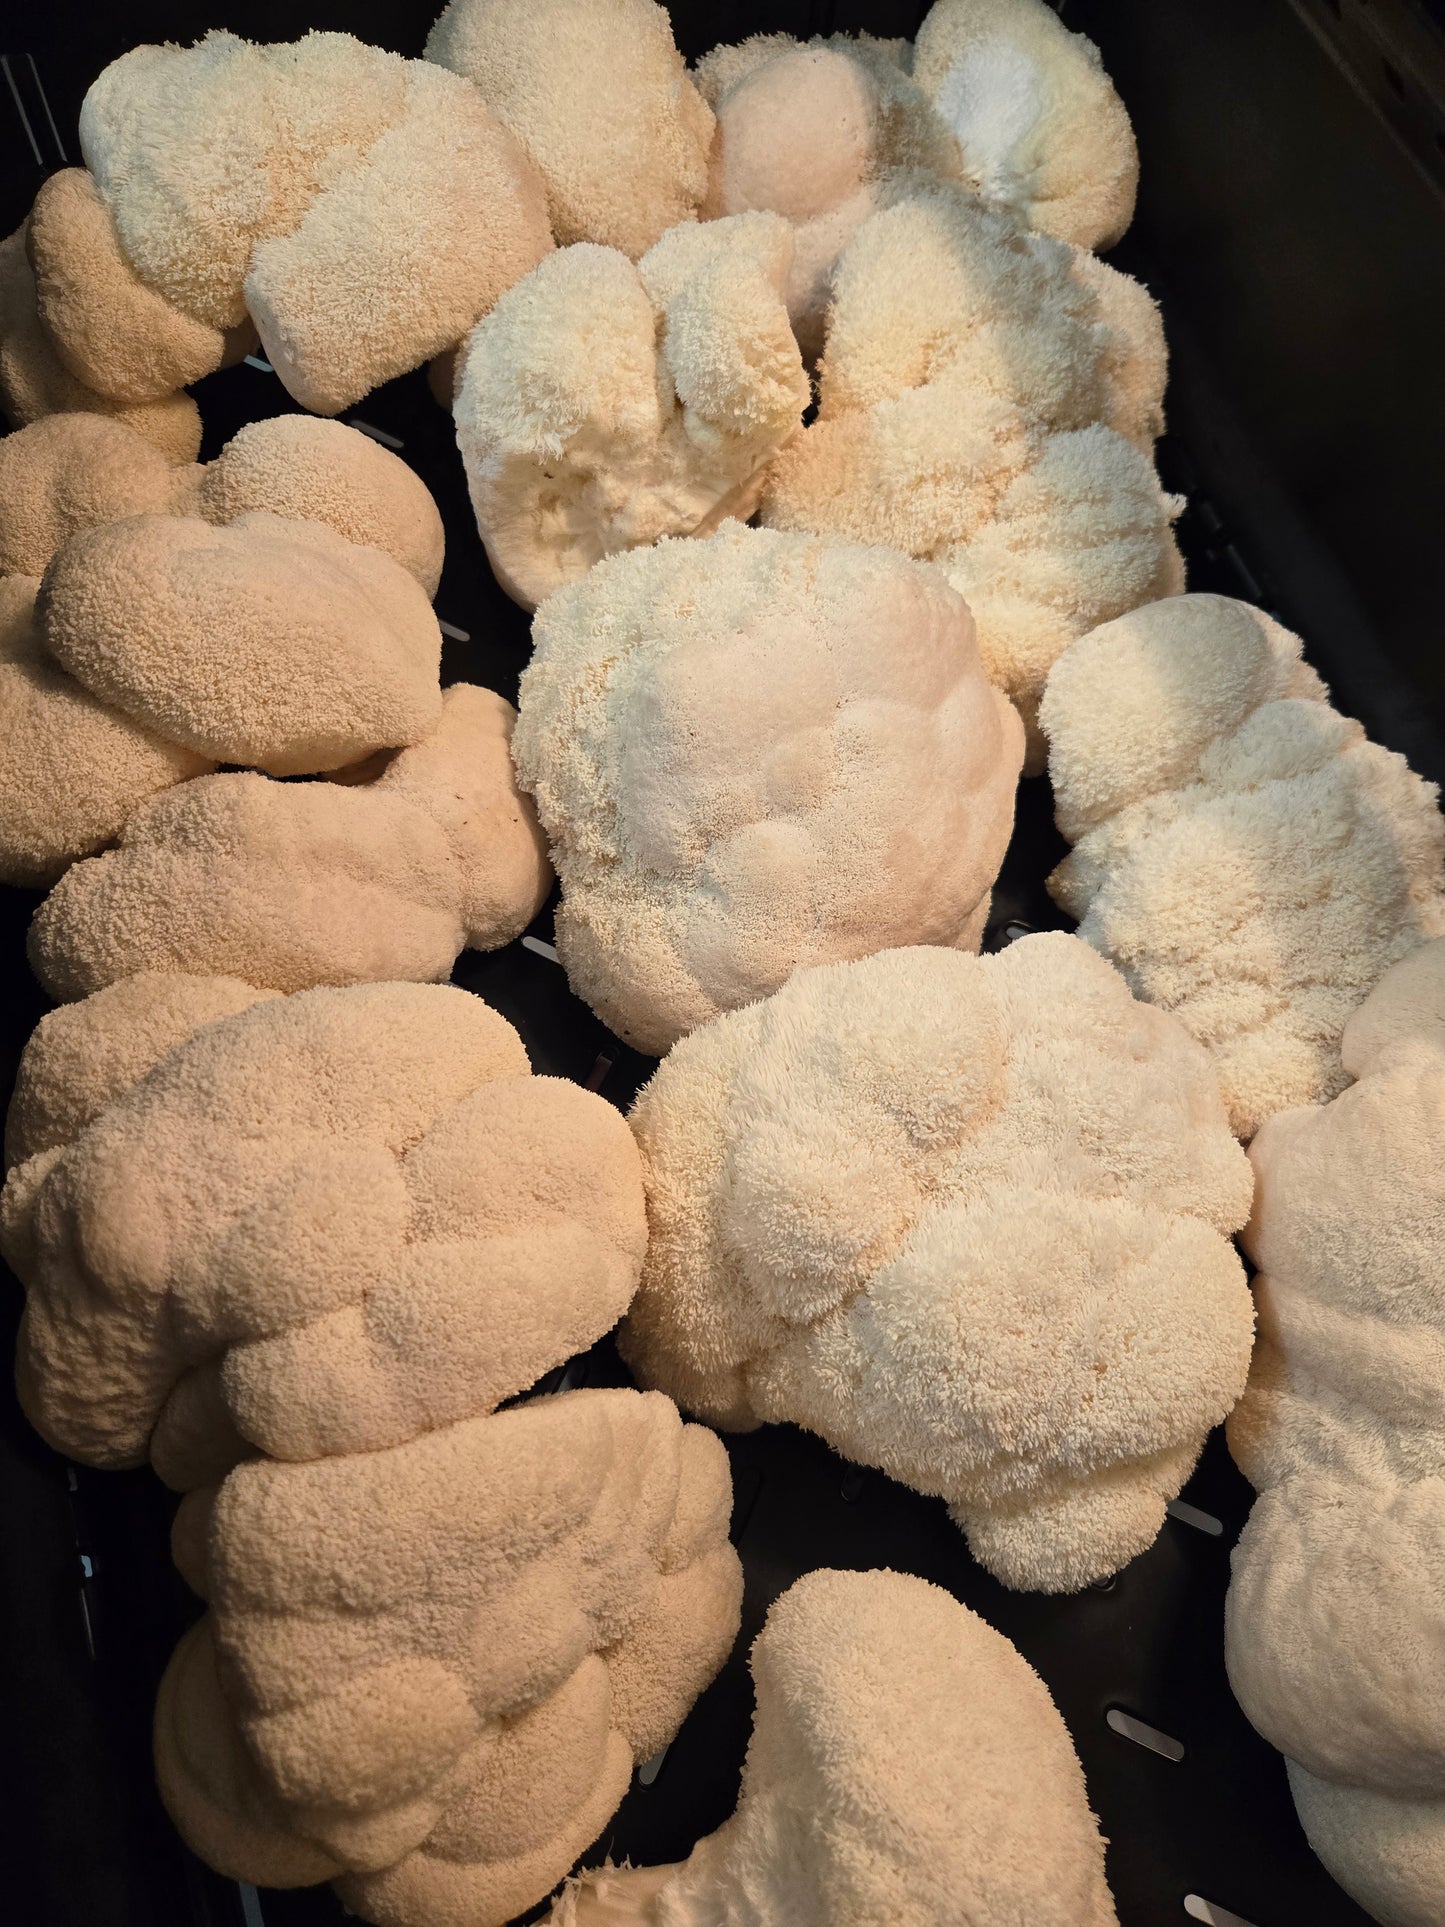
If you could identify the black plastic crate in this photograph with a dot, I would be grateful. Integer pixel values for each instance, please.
(1298, 248)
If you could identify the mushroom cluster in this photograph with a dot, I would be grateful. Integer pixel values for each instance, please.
(858, 1675)
(296, 1252)
(1335, 1620)
(753, 753)
(270, 608)
(968, 1219)
(297, 1226)
(1242, 851)
(356, 211)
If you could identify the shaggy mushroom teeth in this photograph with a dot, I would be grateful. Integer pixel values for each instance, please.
(1039, 124)
(35, 382)
(1244, 854)
(72, 769)
(756, 752)
(817, 132)
(439, 1640)
(422, 1229)
(429, 1671)
(991, 1198)
(81, 1057)
(362, 208)
(265, 641)
(1335, 1621)
(860, 1676)
(72, 472)
(69, 472)
(80, 752)
(988, 401)
(603, 405)
(323, 471)
(292, 885)
(111, 331)
(599, 97)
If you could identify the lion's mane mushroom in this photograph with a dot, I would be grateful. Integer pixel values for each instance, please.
(968, 1220)
(323, 471)
(72, 472)
(816, 132)
(72, 769)
(112, 332)
(1244, 854)
(428, 1671)
(68, 472)
(598, 96)
(755, 752)
(35, 382)
(421, 1229)
(1336, 1614)
(988, 401)
(192, 645)
(1039, 124)
(859, 1676)
(364, 209)
(440, 1636)
(81, 1057)
(265, 641)
(292, 885)
(604, 405)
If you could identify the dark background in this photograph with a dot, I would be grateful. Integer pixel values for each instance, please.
(1292, 223)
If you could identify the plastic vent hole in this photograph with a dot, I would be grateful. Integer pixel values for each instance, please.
(1144, 1735)
(1105, 1585)
(851, 1490)
(87, 1625)
(647, 1773)
(598, 1074)
(1211, 1915)
(743, 1509)
(574, 1373)
(1191, 1515)
(377, 434)
(1392, 79)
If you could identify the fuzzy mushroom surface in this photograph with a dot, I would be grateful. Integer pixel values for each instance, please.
(420, 1231)
(1038, 121)
(428, 1671)
(362, 209)
(859, 1675)
(72, 769)
(1242, 851)
(266, 606)
(968, 1220)
(601, 102)
(294, 885)
(604, 405)
(326, 1237)
(988, 401)
(35, 380)
(757, 752)
(1335, 1620)
(817, 131)
(266, 641)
